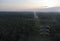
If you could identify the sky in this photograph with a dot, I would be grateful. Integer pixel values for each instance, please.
(27, 4)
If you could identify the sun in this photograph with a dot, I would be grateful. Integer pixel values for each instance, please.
(49, 3)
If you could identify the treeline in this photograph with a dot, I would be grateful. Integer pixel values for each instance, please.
(20, 26)
(16, 26)
(53, 20)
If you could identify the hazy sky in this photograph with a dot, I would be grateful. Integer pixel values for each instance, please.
(27, 4)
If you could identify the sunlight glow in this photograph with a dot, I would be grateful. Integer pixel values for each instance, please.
(28, 4)
(49, 3)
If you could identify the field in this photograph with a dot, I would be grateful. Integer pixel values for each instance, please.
(21, 26)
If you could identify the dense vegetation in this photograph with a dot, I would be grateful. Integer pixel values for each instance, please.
(17, 26)
(20, 26)
(53, 20)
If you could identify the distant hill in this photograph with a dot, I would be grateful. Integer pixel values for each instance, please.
(52, 9)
